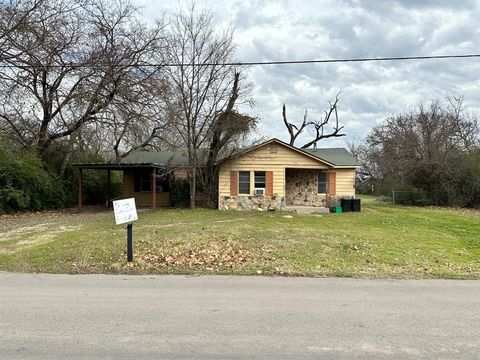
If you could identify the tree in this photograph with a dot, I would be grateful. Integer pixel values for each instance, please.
(423, 149)
(14, 16)
(227, 129)
(318, 125)
(64, 68)
(203, 83)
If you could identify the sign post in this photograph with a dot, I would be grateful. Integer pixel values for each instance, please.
(125, 213)
(129, 243)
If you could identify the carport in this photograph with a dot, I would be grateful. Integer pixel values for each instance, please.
(154, 170)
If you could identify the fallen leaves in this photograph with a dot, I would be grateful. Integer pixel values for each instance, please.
(220, 256)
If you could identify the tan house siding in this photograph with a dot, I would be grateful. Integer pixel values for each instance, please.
(345, 182)
(262, 159)
(144, 198)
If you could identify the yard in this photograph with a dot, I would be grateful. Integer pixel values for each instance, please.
(383, 241)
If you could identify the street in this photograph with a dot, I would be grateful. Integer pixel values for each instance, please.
(217, 317)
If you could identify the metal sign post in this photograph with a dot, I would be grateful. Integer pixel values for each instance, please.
(126, 212)
(129, 243)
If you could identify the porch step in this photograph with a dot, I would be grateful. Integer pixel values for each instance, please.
(307, 209)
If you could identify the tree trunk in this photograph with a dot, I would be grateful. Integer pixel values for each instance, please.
(68, 154)
(193, 187)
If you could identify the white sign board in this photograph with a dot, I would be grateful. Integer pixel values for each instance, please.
(125, 211)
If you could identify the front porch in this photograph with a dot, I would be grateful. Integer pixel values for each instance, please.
(308, 188)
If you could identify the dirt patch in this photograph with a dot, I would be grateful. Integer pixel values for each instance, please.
(19, 231)
(34, 235)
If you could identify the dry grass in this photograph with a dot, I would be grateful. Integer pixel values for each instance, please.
(381, 241)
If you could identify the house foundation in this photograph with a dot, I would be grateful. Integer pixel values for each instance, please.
(252, 203)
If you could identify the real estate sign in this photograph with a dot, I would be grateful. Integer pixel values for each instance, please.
(125, 211)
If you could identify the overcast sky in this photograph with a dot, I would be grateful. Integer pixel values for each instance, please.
(332, 29)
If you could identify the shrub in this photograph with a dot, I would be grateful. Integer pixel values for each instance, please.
(26, 185)
(180, 193)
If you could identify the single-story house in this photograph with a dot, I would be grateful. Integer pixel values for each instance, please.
(271, 175)
(274, 175)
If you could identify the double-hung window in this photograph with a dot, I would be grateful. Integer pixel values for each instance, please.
(259, 179)
(244, 182)
(322, 182)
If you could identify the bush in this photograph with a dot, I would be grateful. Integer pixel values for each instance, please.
(25, 185)
(418, 198)
(180, 193)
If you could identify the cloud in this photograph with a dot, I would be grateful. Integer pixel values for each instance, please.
(333, 29)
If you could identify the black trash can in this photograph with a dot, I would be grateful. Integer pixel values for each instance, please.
(356, 206)
(346, 205)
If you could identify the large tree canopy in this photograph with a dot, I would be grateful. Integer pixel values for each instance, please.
(67, 64)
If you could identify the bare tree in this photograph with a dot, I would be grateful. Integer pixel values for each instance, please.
(203, 82)
(423, 149)
(318, 125)
(64, 69)
(14, 16)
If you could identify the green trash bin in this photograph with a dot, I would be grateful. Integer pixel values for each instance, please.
(338, 209)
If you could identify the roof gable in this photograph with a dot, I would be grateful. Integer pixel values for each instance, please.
(334, 157)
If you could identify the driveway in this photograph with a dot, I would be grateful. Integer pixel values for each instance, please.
(219, 317)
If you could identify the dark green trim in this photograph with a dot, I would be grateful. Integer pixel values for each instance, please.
(121, 166)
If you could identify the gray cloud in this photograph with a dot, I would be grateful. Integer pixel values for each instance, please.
(296, 30)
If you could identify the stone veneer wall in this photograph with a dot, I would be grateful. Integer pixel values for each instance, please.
(301, 189)
(251, 202)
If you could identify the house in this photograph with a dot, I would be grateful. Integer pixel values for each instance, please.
(142, 169)
(272, 175)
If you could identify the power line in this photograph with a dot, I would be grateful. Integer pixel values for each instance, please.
(259, 63)
(326, 61)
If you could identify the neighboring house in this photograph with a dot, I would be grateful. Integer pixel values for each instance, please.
(272, 175)
(142, 169)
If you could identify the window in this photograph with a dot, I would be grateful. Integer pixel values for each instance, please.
(259, 179)
(143, 181)
(322, 183)
(244, 182)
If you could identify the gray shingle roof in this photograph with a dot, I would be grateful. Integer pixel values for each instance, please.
(336, 156)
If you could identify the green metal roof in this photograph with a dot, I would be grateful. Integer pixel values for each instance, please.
(165, 158)
(336, 156)
(162, 159)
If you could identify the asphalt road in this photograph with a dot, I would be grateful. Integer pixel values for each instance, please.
(223, 317)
